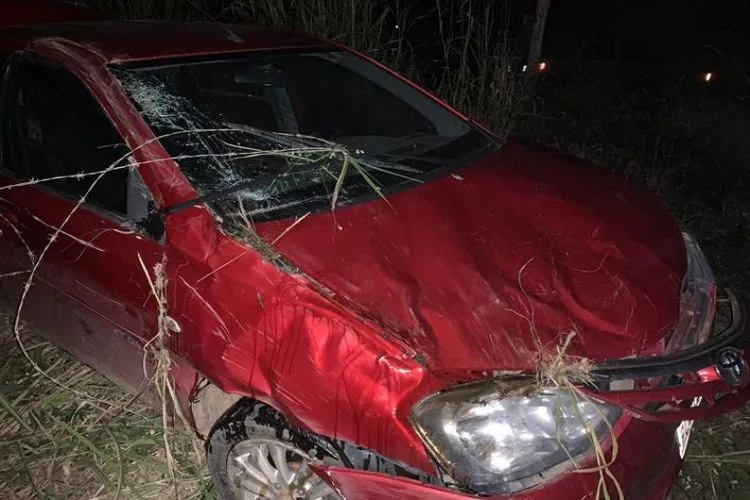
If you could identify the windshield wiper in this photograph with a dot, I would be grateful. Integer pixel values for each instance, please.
(212, 196)
(424, 159)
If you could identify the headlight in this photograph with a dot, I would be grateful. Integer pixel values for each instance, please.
(499, 445)
(697, 300)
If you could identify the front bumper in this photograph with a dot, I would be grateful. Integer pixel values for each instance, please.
(647, 466)
(648, 459)
(714, 372)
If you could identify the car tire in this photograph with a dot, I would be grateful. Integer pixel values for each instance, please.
(245, 446)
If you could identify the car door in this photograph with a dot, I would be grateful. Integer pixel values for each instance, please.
(80, 222)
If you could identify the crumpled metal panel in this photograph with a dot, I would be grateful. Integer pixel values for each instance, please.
(512, 258)
(254, 329)
(476, 271)
(258, 331)
(469, 273)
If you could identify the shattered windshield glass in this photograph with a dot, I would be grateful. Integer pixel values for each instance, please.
(279, 135)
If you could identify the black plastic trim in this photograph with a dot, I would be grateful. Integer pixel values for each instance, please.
(737, 335)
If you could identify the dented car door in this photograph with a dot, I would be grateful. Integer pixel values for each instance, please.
(77, 220)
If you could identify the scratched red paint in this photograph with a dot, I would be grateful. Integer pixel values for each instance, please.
(451, 280)
(521, 233)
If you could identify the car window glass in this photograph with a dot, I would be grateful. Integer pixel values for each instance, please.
(63, 131)
(208, 112)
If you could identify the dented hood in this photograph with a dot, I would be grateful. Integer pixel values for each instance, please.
(477, 269)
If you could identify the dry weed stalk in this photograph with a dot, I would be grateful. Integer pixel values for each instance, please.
(562, 371)
(157, 360)
(157, 349)
(162, 379)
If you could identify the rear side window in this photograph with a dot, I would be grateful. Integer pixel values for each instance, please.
(53, 127)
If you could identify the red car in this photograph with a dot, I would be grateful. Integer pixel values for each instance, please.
(366, 293)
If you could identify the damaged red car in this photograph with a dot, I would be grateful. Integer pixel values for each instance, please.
(367, 295)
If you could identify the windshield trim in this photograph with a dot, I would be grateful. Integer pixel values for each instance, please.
(218, 57)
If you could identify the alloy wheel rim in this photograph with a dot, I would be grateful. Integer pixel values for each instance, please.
(266, 469)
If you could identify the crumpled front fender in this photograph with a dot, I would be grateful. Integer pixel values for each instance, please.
(258, 331)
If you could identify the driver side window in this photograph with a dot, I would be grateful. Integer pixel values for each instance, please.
(54, 128)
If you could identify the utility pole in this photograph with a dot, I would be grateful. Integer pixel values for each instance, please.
(537, 33)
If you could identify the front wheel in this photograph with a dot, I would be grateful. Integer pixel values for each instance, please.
(254, 453)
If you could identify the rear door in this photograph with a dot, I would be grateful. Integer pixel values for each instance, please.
(80, 218)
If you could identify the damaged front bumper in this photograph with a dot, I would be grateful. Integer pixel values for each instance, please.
(647, 465)
(703, 381)
(714, 373)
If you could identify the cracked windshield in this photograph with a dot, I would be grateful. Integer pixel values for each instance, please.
(285, 134)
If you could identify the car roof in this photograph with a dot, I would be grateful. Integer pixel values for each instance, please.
(130, 41)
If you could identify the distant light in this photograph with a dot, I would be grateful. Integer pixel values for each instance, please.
(707, 77)
(542, 66)
(396, 26)
(523, 70)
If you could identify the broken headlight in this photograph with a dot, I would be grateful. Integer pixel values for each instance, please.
(493, 444)
(697, 301)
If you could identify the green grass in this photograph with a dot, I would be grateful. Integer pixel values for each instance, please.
(54, 444)
(718, 462)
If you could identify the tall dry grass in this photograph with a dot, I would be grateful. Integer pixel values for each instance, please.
(480, 73)
(110, 445)
(476, 68)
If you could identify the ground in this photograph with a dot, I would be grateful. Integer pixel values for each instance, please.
(70, 433)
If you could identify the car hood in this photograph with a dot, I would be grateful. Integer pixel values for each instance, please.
(484, 268)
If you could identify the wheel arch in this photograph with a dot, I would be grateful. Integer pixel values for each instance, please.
(245, 409)
(209, 406)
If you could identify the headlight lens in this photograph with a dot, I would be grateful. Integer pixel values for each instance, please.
(502, 445)
(697, 300)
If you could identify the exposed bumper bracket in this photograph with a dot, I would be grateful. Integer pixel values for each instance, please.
(715, 372)
(737, 335)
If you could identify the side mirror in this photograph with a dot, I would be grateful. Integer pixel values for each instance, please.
(153, 223)
(141, 206)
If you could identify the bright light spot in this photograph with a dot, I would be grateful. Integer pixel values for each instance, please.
(543, 414)
(526, 436)
(450, 428)
(708, 76)
(396, 26)
(464, 435)
(486, 409)
(542, 66)
(498, 430)
(500, 462)
(524, 68)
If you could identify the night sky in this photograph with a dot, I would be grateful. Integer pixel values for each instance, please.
(650, 29)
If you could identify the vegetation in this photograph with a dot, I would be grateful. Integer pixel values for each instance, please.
(107, 444)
